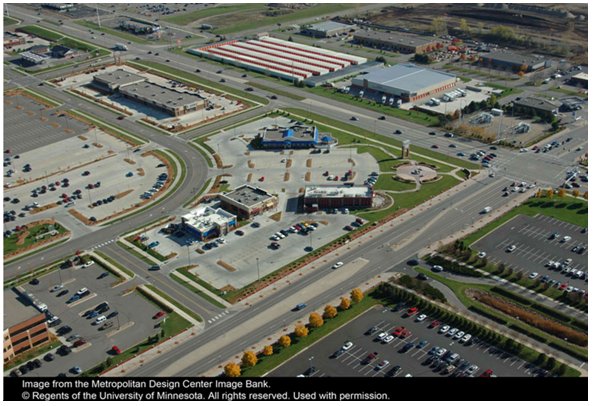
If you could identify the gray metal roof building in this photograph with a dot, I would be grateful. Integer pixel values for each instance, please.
(538, 104)
(114, 80)
(246, 201)
(327, 29)
(406, 81)
(513, 61)
(163, 97)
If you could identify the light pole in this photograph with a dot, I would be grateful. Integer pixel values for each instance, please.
(311, 364)
(258, 267)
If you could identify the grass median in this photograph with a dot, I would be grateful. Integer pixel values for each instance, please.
(196, 291)
(114, 263)
(174, 302)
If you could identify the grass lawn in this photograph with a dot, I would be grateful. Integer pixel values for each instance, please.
(267, 363)
(198, 292)
(49, 100)
(387, 183)
(174, 302)
(10, 243)
(409, 115)
(117, 33)
(208, 158)
(114, 263)
(216, 87)
(568, 209)
(10, 21)
(137, 254)
(276, 91)
(187, 18)
(65, 40)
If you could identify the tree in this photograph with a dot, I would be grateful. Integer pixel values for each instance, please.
(249, 359)
(585, 195)
(464, 26)
(561, 192)
(330, 312)
(284, 341)
(315, 320)
(550, 193)
(439, 26)
(345, 303)
(562, 369)
(576, 193)
(267, 350)
(537, 193)
(232, 370)
(301, 330)
(356, 295)
(551, 364)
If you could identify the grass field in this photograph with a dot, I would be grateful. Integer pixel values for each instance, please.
(218, 88)
(385, 182)
(10, 21)
(408, 115)
(10, 243)
(196, 291)
(279, 92)
(568, 209)
(124, 35)
(187, 18)
(174, 302)
(62, 39)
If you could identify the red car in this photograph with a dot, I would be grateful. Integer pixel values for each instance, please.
(116, 350)
(435, 323)
(412, 311)
(370, 357)
(399, 330)
(159, 314)
(486, 374)
(261, 179)
(563, 287)
(405, 333)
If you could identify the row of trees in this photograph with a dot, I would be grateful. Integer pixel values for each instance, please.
(561, 193)
(316, 320)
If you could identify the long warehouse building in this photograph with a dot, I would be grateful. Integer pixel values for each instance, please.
(284, 59)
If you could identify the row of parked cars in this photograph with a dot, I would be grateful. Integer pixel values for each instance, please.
(161, 179)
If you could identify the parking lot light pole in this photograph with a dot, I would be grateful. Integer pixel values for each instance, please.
(311, 364)
(258, 266)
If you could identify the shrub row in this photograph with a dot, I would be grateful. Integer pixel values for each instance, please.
(552, 312)
(454, 268)
(528, 333)
(488, 315)
(511, 295)
(422, 287)
(569, 351)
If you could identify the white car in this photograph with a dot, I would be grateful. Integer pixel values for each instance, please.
(466, 338)
(100, 320)
(56, 288)
(382, 365)
(482, 254)
(337, 265)
(346, 346)
(381, 335)
(444, 329)
(81, 291)
(533, 275)
(437, 268)
(451, 332)
(511, 248)
(421, 317)
(459, 335)
(471, 370)
(88, 264)
(440, 352)
(566, 238)
(388, 339)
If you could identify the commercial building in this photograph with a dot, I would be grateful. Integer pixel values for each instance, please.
(334, 197)
(283, 59)
(581, 80)
(407, 82)
(247, 201)
(536, 106)
(140, 26)
(396, 41)
(24, 326)
(138, 88)
(326, 29)
(39, 49)
(207, 222)
(294, 137)
(60, 51)
(33, 58)
(58, 6)
(513, 62)
(11, 39)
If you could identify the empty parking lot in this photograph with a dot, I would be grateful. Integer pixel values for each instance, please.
(353, 361)
(536, 245)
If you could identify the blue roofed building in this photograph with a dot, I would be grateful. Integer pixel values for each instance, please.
(294, 137)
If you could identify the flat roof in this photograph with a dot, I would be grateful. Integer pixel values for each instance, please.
(119, 77)
(338, 191)
(33, 57)
(16, 311)
(248, 195)
(329, 26)
(396, 38)
(202, 218)
(581, 76)
(163, 95)
(408, 77)
(296, 132)
(513, 57)
(537, 102)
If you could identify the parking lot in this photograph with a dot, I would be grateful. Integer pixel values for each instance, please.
(289, 170)
(251, 251)
(539, 240)
(323, 358)
(29, 125)
(99, 166)
(131, 325)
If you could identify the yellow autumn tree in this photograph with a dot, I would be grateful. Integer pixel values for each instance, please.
(301, 330)
(330, 312)
(585, 195)
(232, 370)
(576, 193)
(561, 193)
(249, 359)
(284, 341)
(267, 350)
(550, 192)
(345, 303)
(356, 295)
(315, 320)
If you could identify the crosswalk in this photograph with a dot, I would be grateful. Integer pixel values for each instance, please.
(103, 244)
(218, 316)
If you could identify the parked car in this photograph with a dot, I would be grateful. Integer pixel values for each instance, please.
(159, 314)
